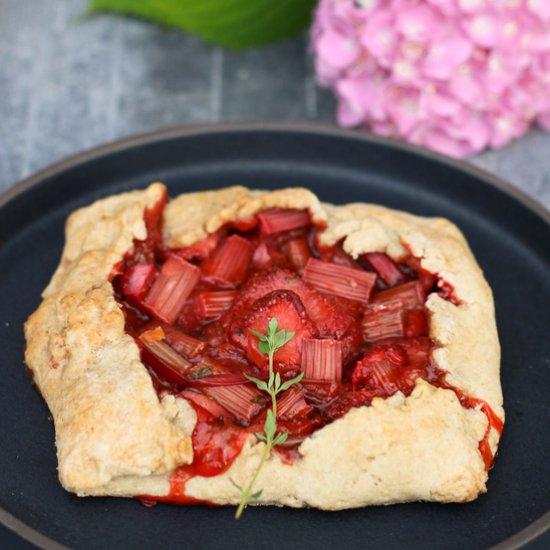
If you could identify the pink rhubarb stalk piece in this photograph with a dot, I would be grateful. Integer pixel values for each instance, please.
(176, 281)
(322, 359)
(239, 400)
(183, 343)
(339, 280)
(277, 220)
(136, 281)
(229, 263)
(162, 358)
(409, 295)
(383, 321)
(292, 403)
(212, 305)
(385, 267)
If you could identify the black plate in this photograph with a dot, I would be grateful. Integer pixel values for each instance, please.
(509, 234)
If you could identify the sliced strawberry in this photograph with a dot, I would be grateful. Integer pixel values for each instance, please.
(298, 253)
(266, 257)
(346, 401)
(416, 323)
(261, 259)
(386, 268)
(379, 370)
(333, 317)
(286, 307)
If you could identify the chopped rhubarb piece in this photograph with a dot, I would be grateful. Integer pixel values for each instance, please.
(322, 359)
(298, 253)
(212, 305)
(386, 268)
(137, 280)
(416, 323)
(216, 379)
(277, 220)
(292, 403)
(173, 286)
(242, 400)
(383, 321)
(228, 265)
(410, 295)
(162, 358)
(184, 344)
(286, 307)
(342, 281)
(207, 403)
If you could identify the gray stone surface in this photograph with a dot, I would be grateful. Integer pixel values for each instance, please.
(67, 84)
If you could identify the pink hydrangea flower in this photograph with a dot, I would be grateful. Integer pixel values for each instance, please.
(456, 76)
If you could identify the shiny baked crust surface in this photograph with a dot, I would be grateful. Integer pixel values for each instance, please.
(114, 436)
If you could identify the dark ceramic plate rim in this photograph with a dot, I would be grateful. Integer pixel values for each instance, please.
(27, 532)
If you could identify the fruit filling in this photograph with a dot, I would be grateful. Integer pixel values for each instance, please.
(361, 330)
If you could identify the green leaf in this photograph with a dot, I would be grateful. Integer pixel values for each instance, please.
(233, 24)
(291, 382)
(264, 347)
(261, 384)
(257, 494)
(270, 425)
(280, 439)
(261, 337)
(260, 436)
(272, 327)
(277, 382)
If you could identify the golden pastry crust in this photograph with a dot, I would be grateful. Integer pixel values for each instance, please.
(114, 437)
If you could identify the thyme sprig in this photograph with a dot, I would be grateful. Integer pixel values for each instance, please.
(268, 344)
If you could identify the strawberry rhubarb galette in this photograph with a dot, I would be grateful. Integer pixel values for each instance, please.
(250, 347)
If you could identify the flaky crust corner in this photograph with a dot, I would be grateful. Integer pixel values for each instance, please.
(114, 437)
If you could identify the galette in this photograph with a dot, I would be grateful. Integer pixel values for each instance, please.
(239, 346)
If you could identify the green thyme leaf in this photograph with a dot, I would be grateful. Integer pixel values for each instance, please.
(291, 382)
(257, 494)
(261, 384)
(277, 382)
(280, 439)
(270, 425)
